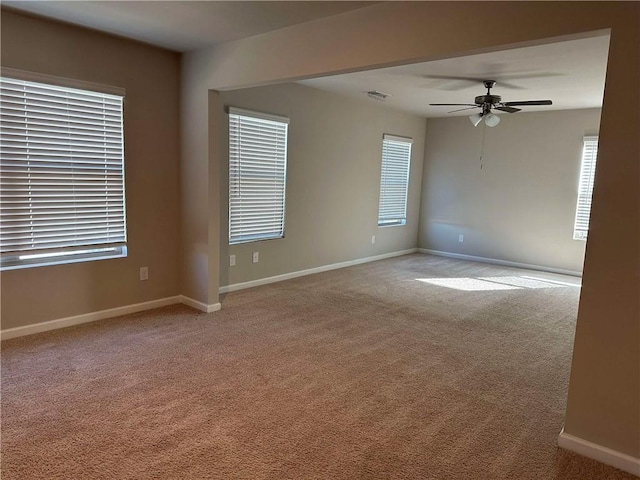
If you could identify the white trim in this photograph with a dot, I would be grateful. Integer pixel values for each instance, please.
(262, 115)
(396, 138)
(64, 259)
(597, 452)
(86, 318)
(301, 273)
(506, 263)
(203, 307)
(104, 314)
(29, 76)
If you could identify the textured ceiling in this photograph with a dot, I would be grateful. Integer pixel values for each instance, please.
(571, 74)
(184, 26)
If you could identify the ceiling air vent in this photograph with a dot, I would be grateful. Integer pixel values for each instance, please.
(376, 95)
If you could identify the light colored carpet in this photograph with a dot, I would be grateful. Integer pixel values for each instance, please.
(417, 367)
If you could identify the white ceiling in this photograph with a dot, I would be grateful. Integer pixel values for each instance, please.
(570, 73)
(185, 25)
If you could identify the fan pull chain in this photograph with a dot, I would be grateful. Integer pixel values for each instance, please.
(484, 133)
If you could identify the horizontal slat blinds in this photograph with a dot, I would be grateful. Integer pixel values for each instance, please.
(585, 187)
(257, 176)
(394, 180)
(62, 170)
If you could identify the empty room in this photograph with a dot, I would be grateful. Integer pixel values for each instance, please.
(320, 240)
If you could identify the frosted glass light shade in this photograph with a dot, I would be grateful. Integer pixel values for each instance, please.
(476, 118)
(491, 120)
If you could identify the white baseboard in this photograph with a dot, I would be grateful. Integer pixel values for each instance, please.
(103, 314)
(301, 273)
(597, 452)
(505, 263)
(203, 307)
(86, 318)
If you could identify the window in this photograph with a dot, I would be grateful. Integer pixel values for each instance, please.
(257, 175)
(61, 174)
(394, 180)
(585, 188)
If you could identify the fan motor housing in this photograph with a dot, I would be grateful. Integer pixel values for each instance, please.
(490, 99)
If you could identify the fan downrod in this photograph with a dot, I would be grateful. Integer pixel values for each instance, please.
(489, 84)
(487, 101)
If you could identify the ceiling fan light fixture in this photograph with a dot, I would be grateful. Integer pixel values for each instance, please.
(476, 118)
(491, 120)
(488, 102)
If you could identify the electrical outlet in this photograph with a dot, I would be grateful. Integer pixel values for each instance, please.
(256, 257)
(232, 260)
(461, 238)
(144, 273)
(373, 239)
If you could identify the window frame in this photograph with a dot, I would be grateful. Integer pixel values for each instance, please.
(588, 165)
(275, 138)
(387, 163)
(71, 252)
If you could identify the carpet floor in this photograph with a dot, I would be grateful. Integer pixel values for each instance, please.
(416, 367)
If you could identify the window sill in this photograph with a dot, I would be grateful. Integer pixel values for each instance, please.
(18, 264)
(392, 225)
(254, 240)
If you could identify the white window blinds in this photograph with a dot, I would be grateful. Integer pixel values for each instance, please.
(585, 187)
(62, 173)
(257, 175)
(394, 180)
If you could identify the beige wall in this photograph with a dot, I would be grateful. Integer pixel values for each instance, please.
(520, 206)
(604, 391)
(150, 77)
(194, 188)
(333, 181)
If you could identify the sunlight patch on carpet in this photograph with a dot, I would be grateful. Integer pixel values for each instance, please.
(468, 284)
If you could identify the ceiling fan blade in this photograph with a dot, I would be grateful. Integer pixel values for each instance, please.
(465, 108)
(452, 82)
(460, 83)
(508, 109)
(454, 105)
(491, 72)
(528, 102)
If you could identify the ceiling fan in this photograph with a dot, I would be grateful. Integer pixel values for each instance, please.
(488, 102)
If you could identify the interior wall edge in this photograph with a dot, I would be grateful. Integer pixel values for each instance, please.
(605, 455)
(203, 307)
